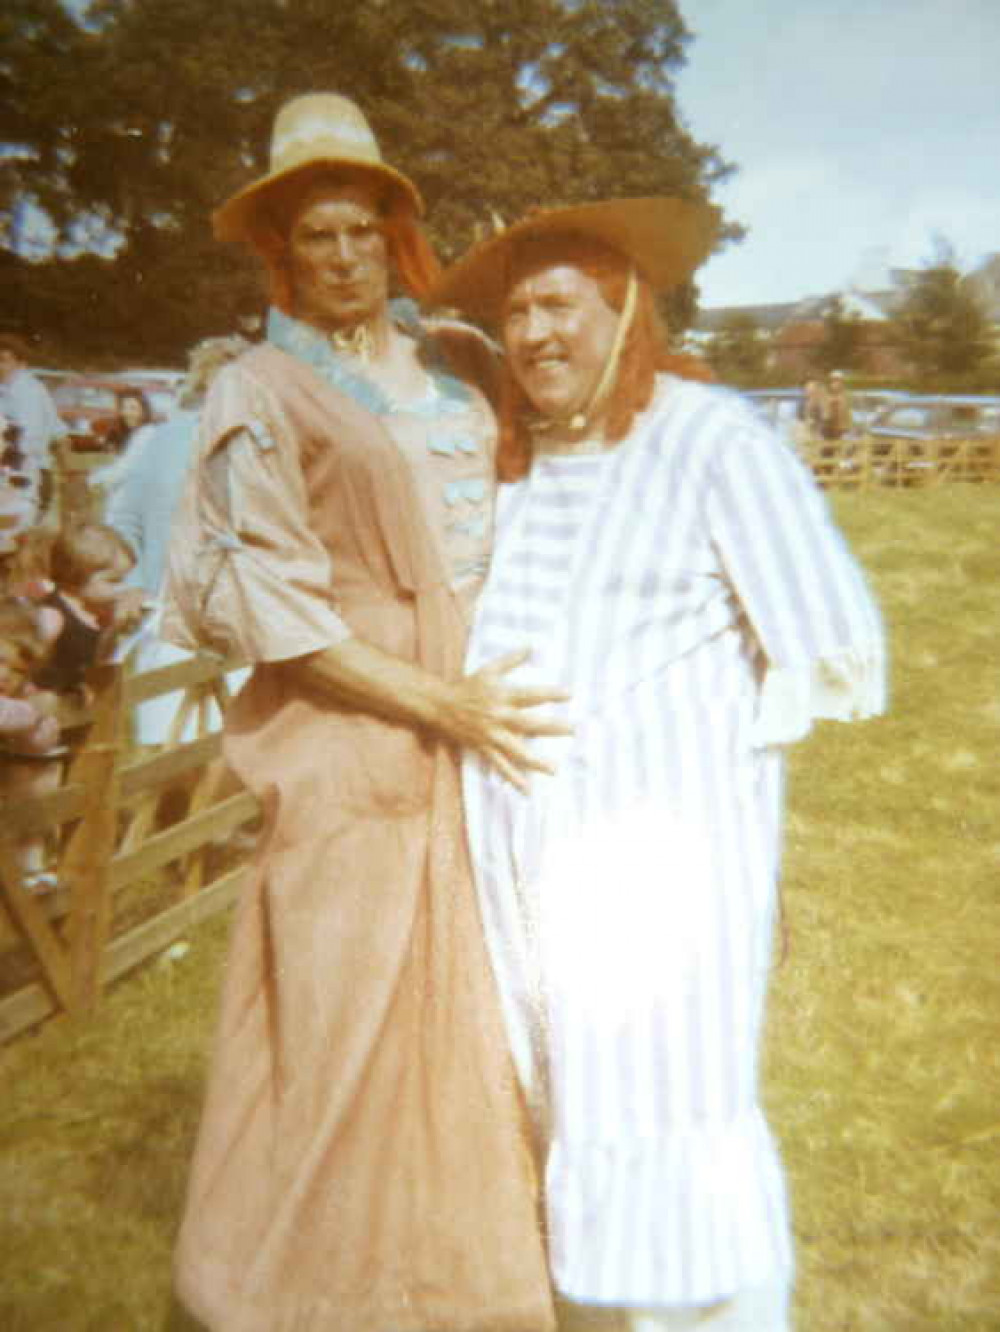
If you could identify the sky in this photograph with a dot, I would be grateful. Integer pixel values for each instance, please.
(862, 129)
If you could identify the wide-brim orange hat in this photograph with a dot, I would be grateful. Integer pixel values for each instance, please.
(311, 132)
(666, 239)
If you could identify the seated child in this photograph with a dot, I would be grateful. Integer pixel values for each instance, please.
(29, 730)
(88, 564)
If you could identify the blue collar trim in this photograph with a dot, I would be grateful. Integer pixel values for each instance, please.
(308, 344)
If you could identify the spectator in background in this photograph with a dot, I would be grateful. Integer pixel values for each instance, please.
(60, 613)
(17, 507)
(813, 407)
(29, 728)
(24, 564)
(131, 427)
(88, 565)
(141, 510)
(31, 419)
(132, 414)
(837, 408)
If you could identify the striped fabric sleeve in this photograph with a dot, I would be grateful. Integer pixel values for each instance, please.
(799, 586)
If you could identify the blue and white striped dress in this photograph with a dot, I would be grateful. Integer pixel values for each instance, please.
(690, 591)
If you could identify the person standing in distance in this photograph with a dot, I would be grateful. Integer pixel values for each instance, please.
(29, 409)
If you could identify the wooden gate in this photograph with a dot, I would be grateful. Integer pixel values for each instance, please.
(141, 839)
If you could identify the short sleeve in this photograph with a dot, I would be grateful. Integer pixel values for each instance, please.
(798, 584)
(246, 573)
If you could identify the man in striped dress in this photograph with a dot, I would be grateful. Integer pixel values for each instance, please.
(675, 569)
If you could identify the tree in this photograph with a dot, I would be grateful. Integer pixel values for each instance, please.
(738, 351)
(939, 325)
(40, 42)
(165, 107)
(841, 343)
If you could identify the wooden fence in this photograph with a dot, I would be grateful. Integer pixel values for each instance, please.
(141, 841)
(119, 846)
(865, 462)
(844, 464)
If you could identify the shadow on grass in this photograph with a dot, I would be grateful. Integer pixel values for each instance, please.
(179, 1320)
(143, 1164)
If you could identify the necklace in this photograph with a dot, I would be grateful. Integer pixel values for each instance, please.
(357, 342)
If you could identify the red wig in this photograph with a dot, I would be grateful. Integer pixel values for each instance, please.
(645, 352)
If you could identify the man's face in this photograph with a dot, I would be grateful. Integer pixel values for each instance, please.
(558, 330)
(338, 259)
(9, 365)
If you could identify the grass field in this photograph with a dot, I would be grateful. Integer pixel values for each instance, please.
(883, 1063)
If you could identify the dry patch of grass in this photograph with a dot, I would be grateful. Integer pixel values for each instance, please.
(883, 1070)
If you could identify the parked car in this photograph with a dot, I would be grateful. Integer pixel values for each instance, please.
(866, 404)
(169, 379)
(779, 407)
(924, 434)
(51, 378)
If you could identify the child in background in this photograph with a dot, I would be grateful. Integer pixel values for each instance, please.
(24, 564)
(29, 730)
(88, 564)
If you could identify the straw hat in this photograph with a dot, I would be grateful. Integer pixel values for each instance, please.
(665, 238)
(310, 132)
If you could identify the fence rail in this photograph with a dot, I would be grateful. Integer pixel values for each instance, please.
(117, 835)
(865, 462)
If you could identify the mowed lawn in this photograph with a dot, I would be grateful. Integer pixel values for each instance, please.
(883, 1059)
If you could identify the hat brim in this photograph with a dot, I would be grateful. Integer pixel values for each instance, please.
(238, 218)
(665, 238)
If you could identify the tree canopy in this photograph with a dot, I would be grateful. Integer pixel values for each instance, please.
(840, 348)
(127, 126)
(738, 350)
(939, 325)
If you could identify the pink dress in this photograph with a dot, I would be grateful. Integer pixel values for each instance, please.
(361, 1162)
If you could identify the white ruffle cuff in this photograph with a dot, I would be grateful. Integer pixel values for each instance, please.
(849, 686)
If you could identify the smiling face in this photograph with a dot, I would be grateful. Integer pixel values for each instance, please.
(559, 331)
(338, 258)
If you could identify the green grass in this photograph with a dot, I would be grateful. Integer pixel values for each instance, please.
(883, 1064)
(883, 1061)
